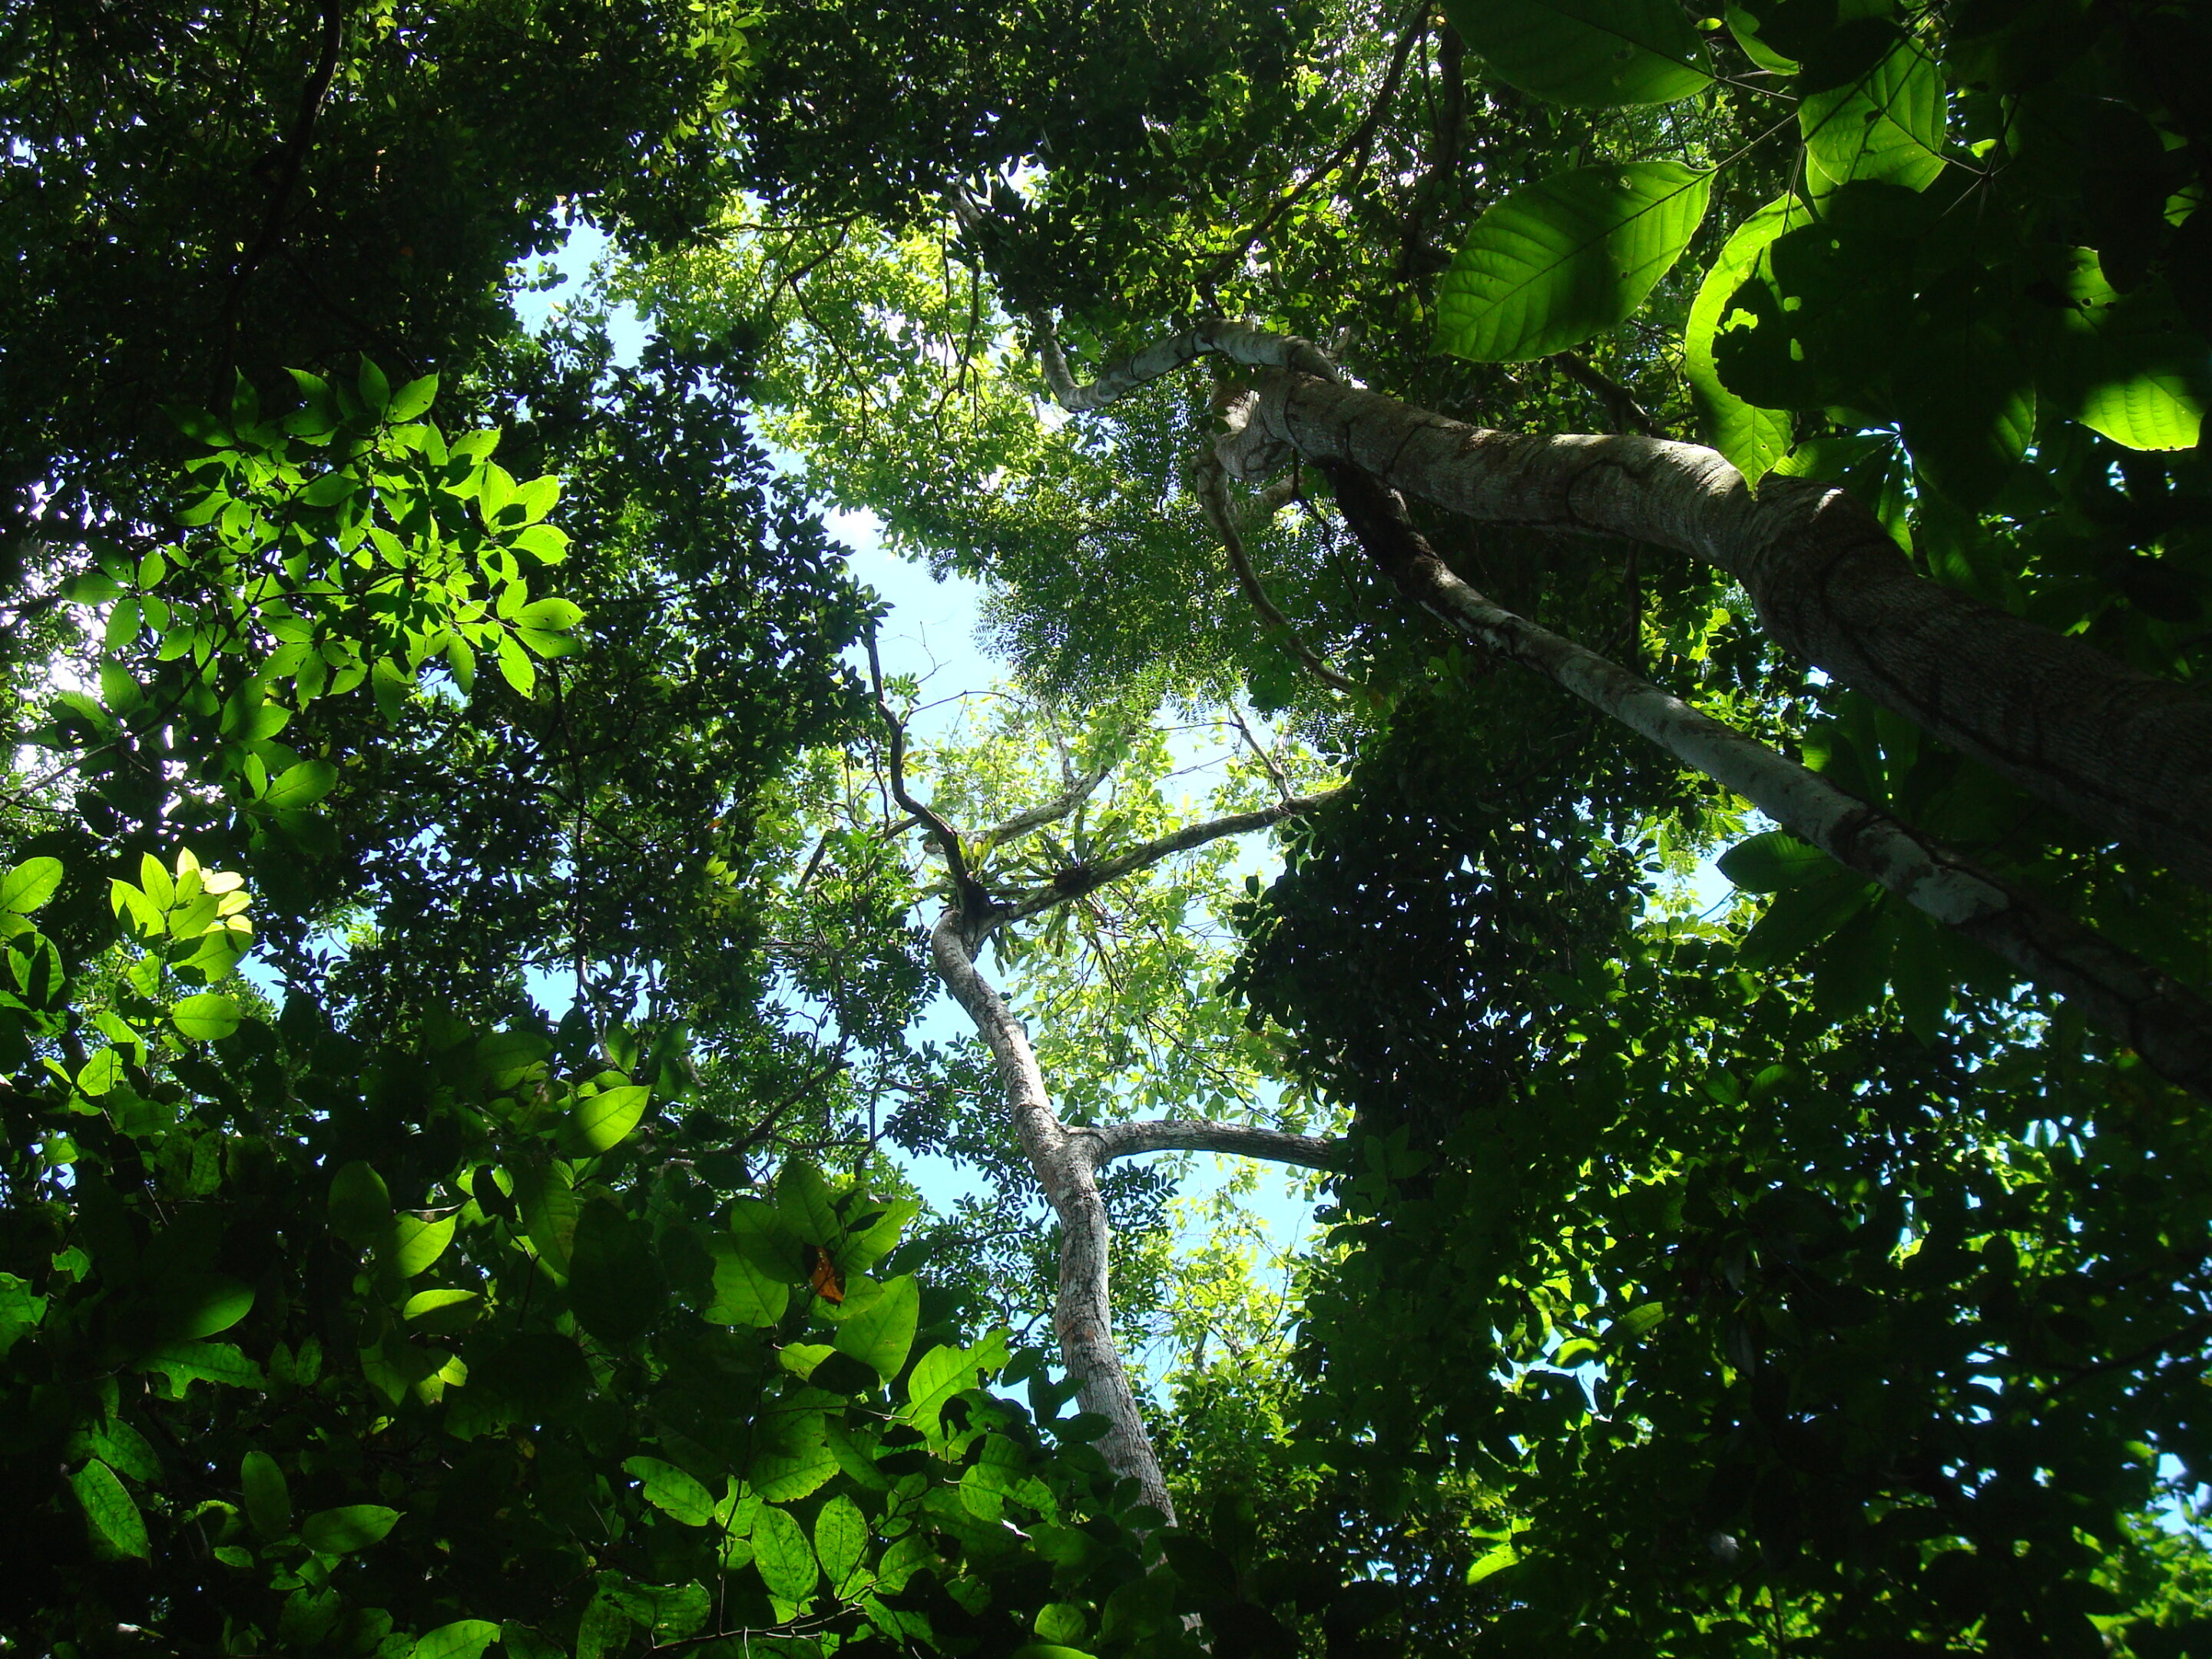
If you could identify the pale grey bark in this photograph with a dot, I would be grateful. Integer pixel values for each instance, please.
(2169, 1025)
(2129, 755)
(1067, 1160)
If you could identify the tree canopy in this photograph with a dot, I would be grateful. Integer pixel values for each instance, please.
(1598, 605)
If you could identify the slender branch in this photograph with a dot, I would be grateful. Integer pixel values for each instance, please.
(947, 839)
(1035, 817)
(1213, 495)
(1073, 884)
(1360, 139)
(1620, 402)
(294, 159)
(1113, 1140)
(2164, 1021)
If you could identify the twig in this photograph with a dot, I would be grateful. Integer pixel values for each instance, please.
(1213, 495)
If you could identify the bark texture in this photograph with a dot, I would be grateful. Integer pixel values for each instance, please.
(2127, 754)
(2163, 1021)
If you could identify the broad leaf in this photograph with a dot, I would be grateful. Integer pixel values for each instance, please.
(343, 1531)
(782, 1556)
(614, 1283)
(411, 1244)
(361, 1208)
(671, 1492)
(1585, 52)
(1753, 438)
(117, 1527)
(1770, 862)
(1557, 261)
(1885, 124)
(603, 1120)
(880, 1334)
(268, 1498)
(29, 886)
(745, 1293)
(206, 1017)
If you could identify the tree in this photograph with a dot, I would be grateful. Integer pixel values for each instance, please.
(1795, 1275)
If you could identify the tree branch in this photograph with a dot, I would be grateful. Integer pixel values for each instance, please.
(2164, 1021)
(1083, 879)
(1242, 342)
(1112, 1140)
(1620, 402)
(1213, 495)
(947, 838)
(1035, 817)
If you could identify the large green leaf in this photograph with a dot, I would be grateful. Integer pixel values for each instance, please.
(614, 1283)
(1557, 261)
(204, 1304)
(464, 1638)
(411, 1245)
(745, 1292)
(841, 1540)
(1802, 916)
(603, 1120)
(268, 1499)
(783, 1557)
(546, 1196)
(206, 1017)
(1753, 438)
(803, 1197)
(344, 1530)
(671, 1492)
(1885, 124)
(2125, 365)
(117, 1527)
(29, 886)
(360, 1207)
(1771, 862)
(1585, 52)
(880, 1334)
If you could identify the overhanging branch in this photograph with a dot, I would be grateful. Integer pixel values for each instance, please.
(1113, 1140)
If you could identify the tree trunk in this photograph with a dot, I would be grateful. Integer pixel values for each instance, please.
(2169, 1025)
(2126, 754)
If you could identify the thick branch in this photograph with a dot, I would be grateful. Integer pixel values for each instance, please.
(1035, 817)
(1113, 1140)
(2169, 1025)
(2129, 755)
(1238, 341)
(1090, 878)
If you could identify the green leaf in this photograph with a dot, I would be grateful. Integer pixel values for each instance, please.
(880, 1334)
(1885, 124)
(361, 1208)
(1771, 862)
(1919, 974)
(1492, 1562)
(514, 664)
(409, 401)
(345, 1530)
(100, 1074)
(443, 1313)
(603, 1120)
(29, 886)
(182, 1364)
(205, 1305)
(1557, 261)
(1585, 52)
(113, 1517)
(1061, 1622)
(411, 1244)
(1802, 917)
(207, 1016)
(551, 616)
(782, 1556)
(2125, 365)
(745, 1293)
(1752, 438)
(268, 1498)
(615, 1287)
(375, 390)
(302, 785)
(802, 1198)
(671, 1492)
(547, 1199)
(841, 1540)
(464, 1638)
(937, 1377)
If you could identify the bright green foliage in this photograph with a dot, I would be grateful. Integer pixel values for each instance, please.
(1586, 51)
(1556, 262)
(586, 1461)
